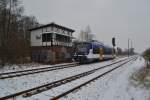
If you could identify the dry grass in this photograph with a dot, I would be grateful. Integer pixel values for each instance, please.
(142, 77)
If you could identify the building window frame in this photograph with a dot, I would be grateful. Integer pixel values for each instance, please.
(47, 37)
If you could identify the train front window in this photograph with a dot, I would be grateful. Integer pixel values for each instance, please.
(83, 48)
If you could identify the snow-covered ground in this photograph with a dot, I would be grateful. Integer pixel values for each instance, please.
(63, 88)
(114, 86)
(16, 84)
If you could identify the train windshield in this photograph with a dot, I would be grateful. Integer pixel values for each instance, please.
(83, 48)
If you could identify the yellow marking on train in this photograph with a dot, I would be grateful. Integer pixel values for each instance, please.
(101, 54)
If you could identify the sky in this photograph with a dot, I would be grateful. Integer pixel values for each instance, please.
(122, 19)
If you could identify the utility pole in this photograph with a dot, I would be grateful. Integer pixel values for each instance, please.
(128, 47)
(131, 48)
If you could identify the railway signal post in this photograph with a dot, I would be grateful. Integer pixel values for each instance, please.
(114, 44)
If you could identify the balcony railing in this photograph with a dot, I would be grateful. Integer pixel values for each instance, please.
(57, 43)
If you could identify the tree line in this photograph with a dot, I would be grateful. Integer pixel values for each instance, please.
(146, 55)
(14, 32)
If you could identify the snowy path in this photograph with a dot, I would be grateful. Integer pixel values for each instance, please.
(9, 86)
(114, 86)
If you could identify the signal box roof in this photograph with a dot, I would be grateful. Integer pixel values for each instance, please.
(53, 25)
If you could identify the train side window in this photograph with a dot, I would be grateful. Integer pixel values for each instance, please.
(108, 51)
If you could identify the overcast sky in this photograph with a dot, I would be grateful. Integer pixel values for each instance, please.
(122, 19)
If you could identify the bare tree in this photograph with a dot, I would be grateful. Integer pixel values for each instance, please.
(146, 55)
(14, 34)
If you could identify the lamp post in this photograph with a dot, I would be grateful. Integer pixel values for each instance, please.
(130, 47)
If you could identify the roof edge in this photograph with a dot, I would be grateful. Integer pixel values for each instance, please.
(52, 24)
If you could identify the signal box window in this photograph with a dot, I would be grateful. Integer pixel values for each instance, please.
(46, 37)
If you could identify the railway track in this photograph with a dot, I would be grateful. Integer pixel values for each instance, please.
(48, 86)
(34, 71)
(91, 80)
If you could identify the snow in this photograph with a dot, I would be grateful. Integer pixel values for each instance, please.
(16, 84)
(113, 86)
(58, 90)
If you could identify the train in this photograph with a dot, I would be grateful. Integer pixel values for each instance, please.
(87, 52)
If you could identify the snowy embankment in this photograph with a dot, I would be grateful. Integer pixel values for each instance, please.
(114, 86)
(16, 84)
